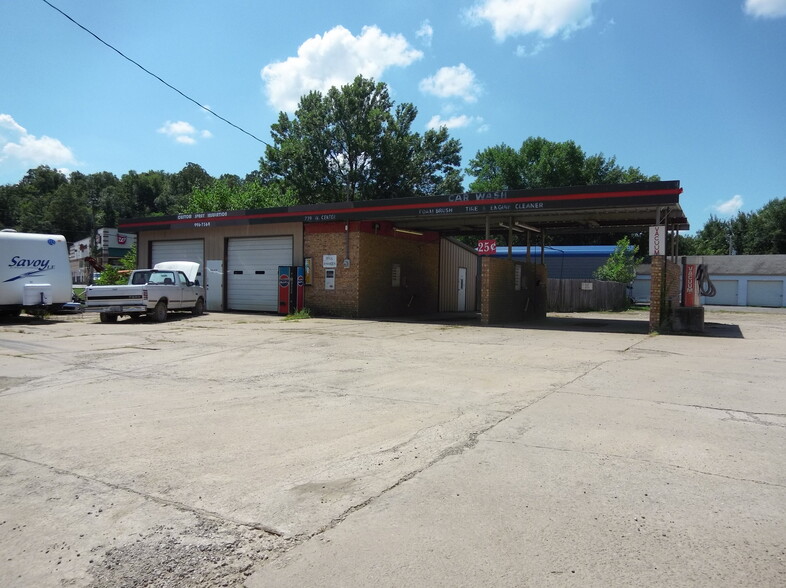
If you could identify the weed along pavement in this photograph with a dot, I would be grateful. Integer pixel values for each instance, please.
(244, 450)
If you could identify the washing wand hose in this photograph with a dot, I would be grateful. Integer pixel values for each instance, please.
(706, 287)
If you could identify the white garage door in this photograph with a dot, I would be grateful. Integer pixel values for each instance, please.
(186, 250)
(726, 293)
(765, 293)
(252, 271)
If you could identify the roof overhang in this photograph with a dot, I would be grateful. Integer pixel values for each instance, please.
(567, 210)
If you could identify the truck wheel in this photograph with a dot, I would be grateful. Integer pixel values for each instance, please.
(159, 312)
(108, 318)
(199, 307)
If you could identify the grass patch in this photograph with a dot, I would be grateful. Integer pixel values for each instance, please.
(300, 314)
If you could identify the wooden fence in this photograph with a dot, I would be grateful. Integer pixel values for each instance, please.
(583, 295)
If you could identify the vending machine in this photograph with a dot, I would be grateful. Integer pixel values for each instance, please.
(291, 288)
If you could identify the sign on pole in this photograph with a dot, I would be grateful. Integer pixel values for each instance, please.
(487, 247)
(658, 240)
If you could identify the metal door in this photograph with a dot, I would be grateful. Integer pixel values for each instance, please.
(462, 289)
(214, 284)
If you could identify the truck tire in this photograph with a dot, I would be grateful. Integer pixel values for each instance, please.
(159, 312)
(108, 318)
(199, 307)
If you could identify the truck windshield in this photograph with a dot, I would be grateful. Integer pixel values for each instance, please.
(165, 278)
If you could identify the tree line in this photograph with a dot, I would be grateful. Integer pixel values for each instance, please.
(351, 143)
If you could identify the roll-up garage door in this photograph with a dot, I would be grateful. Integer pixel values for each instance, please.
(252, 271)
(725, 293)
(765, 293)
(186, 250)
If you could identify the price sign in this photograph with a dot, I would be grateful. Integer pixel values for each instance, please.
(487, 247)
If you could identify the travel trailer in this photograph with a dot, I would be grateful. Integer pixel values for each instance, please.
(34, 273)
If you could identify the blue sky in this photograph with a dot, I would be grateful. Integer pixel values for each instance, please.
(692, 90)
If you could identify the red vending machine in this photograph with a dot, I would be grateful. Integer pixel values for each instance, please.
(291, 288)
(284, 289)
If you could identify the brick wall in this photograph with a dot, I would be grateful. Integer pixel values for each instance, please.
(664, 292)
(418, 262)
(343, 301)
(365, 288)
(501, 302)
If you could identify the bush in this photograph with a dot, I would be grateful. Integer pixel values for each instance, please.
(621, 264)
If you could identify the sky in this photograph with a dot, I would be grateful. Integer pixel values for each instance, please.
(690, 90)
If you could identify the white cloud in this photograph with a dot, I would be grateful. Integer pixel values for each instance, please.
(730, 207)
(547, 18)
(425, 33)
(20, 147)
(454, 122)
(183, 132)
(452, 82)
(334, 59)
(765, 8)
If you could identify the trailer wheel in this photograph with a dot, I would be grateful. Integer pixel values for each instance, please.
(199, 307)
(159, 312)
(108, 318)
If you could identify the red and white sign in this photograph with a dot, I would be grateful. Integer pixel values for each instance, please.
(658, 240)
(691, 297)
(487, 247)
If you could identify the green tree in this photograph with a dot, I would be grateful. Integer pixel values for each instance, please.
(67, 213)
(350, 144)
(621, 264)
(227, 195)
(766, 229)
(713, 238)
(178, 186)
(35, 192)
(540, 163)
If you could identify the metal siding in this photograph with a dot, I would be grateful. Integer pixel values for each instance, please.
(765, 293)
(250, 290)
(452, 257)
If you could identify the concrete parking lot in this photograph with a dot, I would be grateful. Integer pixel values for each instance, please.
(244, 450)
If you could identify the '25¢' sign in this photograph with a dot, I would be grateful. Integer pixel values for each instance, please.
(487, 247)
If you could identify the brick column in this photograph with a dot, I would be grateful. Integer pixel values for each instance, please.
(664, 293)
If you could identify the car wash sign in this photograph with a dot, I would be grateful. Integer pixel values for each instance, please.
(658, 240)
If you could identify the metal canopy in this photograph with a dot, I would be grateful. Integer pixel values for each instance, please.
(568, 210)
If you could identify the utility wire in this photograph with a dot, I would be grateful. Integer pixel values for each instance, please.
(147, 71)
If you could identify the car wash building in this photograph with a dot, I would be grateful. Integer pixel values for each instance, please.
(398, 257)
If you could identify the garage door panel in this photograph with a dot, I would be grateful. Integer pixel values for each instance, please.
(725, 293)
(184, 250)
(252, 271)
(765, 293)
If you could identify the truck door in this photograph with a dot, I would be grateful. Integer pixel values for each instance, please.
(187, 293)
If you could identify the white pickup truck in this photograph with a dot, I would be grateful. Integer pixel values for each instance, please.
(170, 285)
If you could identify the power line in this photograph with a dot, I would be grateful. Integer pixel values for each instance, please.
(147, 71)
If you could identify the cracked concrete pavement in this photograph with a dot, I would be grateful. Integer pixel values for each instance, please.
(243, 450)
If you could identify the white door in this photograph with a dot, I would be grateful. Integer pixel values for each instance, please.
(725, 293)
(462, 289)
(185, 250)
(214, 284)
(765, 293)
(252, 271)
